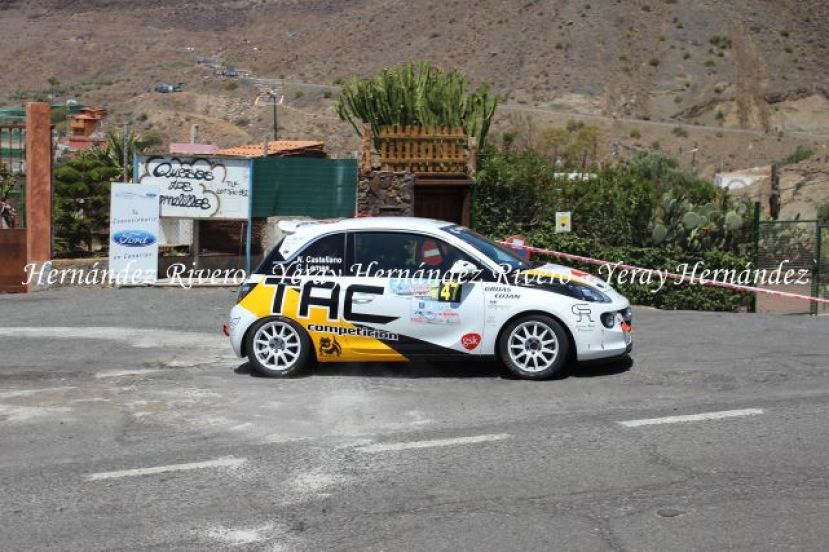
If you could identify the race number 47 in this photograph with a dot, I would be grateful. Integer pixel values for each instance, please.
(450, 292)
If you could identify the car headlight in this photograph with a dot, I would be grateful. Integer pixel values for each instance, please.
(244, 290)
(588, 293)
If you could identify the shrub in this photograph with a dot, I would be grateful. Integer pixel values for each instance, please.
(680, 132)
(299, 94)
(801, 153)
(672, 296)
(653, 62)
(635, 134)
(823, 213)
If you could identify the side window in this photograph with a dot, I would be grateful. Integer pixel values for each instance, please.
(325, 256)
(402, 252)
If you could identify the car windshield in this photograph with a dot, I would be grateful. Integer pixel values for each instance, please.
(496, 252)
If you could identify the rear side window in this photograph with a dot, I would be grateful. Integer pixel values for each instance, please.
(271, 261)
(324, 256)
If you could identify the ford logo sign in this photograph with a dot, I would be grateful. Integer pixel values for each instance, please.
(133, 238)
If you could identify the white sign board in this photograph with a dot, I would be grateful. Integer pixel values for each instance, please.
(199, 187)
(133, 233)
(563, 221)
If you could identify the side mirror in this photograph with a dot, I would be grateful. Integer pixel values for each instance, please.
(462, 268)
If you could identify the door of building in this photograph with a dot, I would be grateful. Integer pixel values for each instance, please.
(442, 202)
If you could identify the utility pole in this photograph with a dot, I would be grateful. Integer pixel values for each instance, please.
(275, 125)
(125, 137)
(194, 136)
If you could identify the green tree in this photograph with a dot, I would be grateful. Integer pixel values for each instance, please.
(575, 147)
(419, 95)
(82, 202)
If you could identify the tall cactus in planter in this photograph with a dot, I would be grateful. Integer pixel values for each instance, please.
(417, 95)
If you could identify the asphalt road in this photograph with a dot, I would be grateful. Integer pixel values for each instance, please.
(127, 424)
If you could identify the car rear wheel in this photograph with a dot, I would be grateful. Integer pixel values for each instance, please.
(534, 347)
(278, 347)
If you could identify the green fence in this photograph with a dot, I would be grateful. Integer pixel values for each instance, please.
(789, 247)
(301, 186)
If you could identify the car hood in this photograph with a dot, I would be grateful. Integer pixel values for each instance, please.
(566, 273)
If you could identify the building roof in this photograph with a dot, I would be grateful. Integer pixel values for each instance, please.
(277, 147)
(193, 149)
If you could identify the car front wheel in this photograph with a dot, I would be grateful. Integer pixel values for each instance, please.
(534, 347)
(278, 347)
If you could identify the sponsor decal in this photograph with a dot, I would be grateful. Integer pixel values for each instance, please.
(471, 341)
(582, 310)
(326, 295)
(406, 287)
(433, 312)
(329, 346)
(509, 296)
(134, 238)
(356, 332)
(500, 289)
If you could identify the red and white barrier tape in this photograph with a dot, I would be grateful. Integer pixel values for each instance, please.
(668, 275)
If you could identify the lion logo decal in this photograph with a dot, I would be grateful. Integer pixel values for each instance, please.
(330, 346)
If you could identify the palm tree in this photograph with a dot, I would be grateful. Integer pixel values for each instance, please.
(113, 152)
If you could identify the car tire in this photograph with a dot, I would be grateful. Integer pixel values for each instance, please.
(278, 347)
(534, 347)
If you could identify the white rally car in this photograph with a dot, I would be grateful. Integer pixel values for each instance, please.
(392, 289)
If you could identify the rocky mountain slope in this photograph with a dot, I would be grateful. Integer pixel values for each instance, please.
(729, 64)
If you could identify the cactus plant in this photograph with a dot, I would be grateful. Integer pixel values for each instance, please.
(659, 233)
(716, 224)
(420, 95)
(691, 220)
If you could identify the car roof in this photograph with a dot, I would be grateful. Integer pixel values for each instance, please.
(314, 228)
(300, 232)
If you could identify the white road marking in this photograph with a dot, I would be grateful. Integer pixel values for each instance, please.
(226, 462)
(240, 535)
(693, 417)
(28, 392)
(142, 338)
(387, 447)
(119, 373)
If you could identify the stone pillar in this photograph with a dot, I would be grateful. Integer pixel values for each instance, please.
(385, 194)
(38, 183)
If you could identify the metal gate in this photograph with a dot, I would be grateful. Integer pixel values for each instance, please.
(789, 248)
(12, 207)
(13, 175)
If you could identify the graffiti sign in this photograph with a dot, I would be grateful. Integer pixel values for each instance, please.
(199, 188)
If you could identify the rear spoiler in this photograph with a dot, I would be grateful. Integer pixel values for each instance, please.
(290, 226)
